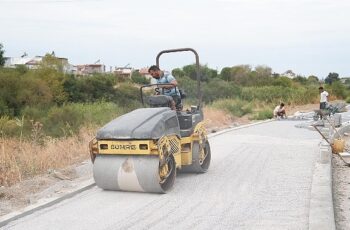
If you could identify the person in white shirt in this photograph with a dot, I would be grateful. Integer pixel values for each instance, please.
(323, 98)
(279, 111)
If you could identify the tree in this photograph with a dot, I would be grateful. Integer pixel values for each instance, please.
(177, 72)
(2, 58)
(190, 71)
(312, 79)
(52, 62)
(240, 73)
(208, 73)
(226, 73)
(138, 78)
(338, 89)
(205, 72)
(300, 79)
(263, 71)
(332, 77)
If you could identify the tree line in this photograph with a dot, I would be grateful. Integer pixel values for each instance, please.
(34, 93)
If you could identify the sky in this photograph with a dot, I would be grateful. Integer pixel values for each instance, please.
(309, 37)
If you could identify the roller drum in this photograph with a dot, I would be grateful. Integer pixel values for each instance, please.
(130, 173)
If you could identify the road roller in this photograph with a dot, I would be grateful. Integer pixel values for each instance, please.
(144, 149)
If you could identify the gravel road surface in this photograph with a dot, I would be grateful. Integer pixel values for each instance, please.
(260, 178)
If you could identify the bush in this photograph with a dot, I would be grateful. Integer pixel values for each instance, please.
(234, 106)
(263, 115)
(68, 119)
(219, 89)
(63, 121)
(337, 89)
(127, 95)
(271, 94)
(282, 81)
(348, 99)
(90, 89)
(137, 78)
(9, 127)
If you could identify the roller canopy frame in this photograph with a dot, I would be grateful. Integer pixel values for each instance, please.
(199, 92)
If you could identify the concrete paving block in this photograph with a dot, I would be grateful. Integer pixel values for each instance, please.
(321, 216)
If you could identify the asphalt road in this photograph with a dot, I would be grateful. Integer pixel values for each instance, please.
(260, 178)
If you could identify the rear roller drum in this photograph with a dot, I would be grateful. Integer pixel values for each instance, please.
(167, 173)
(201, 157)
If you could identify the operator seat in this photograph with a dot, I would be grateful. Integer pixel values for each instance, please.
(160, 101)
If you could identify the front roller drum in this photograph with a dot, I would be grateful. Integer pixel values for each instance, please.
(201, 156)
(134, 173)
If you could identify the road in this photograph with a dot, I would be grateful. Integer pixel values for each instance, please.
(260, 178)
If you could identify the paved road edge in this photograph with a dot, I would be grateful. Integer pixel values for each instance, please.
(44, 204)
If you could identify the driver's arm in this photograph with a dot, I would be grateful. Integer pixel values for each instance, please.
(173, 82)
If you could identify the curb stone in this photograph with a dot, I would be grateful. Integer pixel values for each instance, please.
(321, 212)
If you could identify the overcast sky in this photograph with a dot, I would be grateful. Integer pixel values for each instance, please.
(306, 36)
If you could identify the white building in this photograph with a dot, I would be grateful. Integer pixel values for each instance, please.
(34, 63)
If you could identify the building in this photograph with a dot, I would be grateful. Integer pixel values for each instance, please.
(13, 62)
(345, 80)
(35, 62)
(88, 69)
(144, 72)
(124, 72)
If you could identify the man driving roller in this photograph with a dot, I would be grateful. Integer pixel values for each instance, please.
(166, 78)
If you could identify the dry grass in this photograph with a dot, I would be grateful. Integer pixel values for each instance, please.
(19, 161)
(216, 118)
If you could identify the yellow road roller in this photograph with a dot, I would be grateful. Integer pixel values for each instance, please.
(144, 149)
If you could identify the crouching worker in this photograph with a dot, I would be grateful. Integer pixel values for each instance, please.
(168, 90)
(280, 111)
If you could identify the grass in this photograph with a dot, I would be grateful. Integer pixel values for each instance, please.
(34, 144)
(262, 114)
(19, 161)
(60, 121)
(235, 107)
(216, 118)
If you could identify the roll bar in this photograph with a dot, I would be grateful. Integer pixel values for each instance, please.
(199, 92)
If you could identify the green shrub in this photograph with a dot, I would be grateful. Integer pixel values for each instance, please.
(337, 89)
(62, 121)
(127, 95)
(282, 81)
(348, 99)
(219, 89)
(271, 94)
(234, 106)
(68, 119)
(137, 78)
(263, 114)
(4, 109)
(8, 127)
